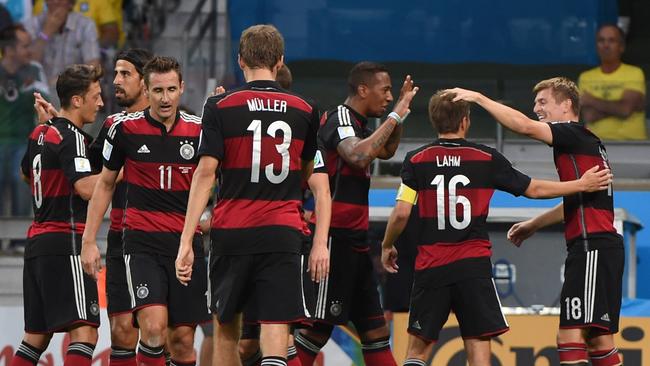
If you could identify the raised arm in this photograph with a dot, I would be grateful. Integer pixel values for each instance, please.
(508, 117)
(384, 141)
(200, 191)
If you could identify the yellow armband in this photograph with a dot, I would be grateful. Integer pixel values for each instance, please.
(406, 194)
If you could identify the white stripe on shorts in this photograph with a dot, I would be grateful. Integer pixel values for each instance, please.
(129, 281)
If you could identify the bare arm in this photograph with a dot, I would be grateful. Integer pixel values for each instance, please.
(319, 257)
(523, 230)
(200, 191)
(54, 20)
(593, 180)
(384, 141)
(508, 117)
(631, 101)
(86, 186)
(396, 223)
(101, 197)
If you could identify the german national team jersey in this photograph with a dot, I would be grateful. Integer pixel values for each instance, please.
(260, 133)
(454, 180)
(588, 217)
(158, 169)
(349, 186)
(57, 156)
(119, 196)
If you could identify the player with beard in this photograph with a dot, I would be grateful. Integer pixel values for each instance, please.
(130, 94)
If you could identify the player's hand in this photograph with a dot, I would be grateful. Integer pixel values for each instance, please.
(91, 260)
(44, 109)
(596, 180)
(184, 263)
(406, 95)
(319, 260)
(520, 232)
(389, 259)
(218, 90)
(464, 94)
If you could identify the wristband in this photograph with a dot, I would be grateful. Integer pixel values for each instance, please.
(43, 36)
(396, 117)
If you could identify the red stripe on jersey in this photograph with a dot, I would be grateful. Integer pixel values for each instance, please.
(242, 99)
(566, 169)
(596, 220)
(466, 154)
(241, 149)
(185, 128)
(242, 213)
(140, 126)
(48, 227)
(479, 198)
(439, 254)
(153, 175)
(154, 221)
(349, 216)
(53, 183)
(117, 218)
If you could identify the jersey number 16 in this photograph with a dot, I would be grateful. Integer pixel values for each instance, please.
(454, 200)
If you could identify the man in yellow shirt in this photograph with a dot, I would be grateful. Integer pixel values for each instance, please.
(107, 16)
(613, 94)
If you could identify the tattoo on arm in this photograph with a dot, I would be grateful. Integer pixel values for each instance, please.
(384, 135)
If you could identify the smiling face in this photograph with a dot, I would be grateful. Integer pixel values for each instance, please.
(164, 93)
(548, 109)
(377, 94)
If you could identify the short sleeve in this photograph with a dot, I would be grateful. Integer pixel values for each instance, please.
(211, 142)
(320, 158)
(310, 147)
(565, 134)
(73, 157)
(408, 190)
(337, 127)
(636, 81)
(506, 178)
(25, 165)
(97, 146)
(112, 150)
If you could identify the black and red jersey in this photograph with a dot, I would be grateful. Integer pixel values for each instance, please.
(119, 195)
(158, 169)
(260, 134)
(57, 156)
(588, 217)
(349, 186)
(455, 180)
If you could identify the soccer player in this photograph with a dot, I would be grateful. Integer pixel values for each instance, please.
(130, 94)
(263, 140)
(58, 296)
(350, 293)
(156, 147)
(592, 290)
(452, 181)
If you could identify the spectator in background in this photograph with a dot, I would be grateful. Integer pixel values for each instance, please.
(19, 79)
(62, 37)
(613, 94)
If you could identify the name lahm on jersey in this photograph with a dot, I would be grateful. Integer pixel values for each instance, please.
(448, 160)
(267, 105)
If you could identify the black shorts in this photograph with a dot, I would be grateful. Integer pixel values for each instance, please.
(58, 294)
(117, 289)
(350, 291)
(152, 281)
(592, 290)
(268, 286)
(474, 301)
